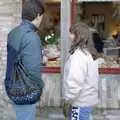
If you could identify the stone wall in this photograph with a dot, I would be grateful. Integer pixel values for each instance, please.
(10, 11)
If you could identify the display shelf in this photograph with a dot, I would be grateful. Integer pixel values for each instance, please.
(101, 70)
(109, 70)
(51, 69)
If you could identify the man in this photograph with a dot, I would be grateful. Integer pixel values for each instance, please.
(25, 37)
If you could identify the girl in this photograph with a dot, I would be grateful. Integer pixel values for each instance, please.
(80, 76)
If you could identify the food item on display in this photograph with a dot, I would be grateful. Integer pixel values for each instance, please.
(53, 63)
(52, 56)
(51, 51)
(110, 62)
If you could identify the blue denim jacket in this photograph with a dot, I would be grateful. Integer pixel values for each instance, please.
(24, 37)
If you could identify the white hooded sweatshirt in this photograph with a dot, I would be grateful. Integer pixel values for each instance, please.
(80, 80)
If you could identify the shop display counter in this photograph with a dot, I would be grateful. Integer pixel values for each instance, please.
(109, 87)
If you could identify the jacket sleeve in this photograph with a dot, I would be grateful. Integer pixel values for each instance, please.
(74, 75)
(32, 53)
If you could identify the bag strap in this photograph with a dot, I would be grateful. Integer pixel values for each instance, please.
(20, 46)
(28, 74)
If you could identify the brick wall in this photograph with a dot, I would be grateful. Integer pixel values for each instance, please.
(10, 11)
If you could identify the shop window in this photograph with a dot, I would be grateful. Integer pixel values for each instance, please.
(98, 21)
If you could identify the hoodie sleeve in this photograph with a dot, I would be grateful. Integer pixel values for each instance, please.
(74, 75)
(32, 53)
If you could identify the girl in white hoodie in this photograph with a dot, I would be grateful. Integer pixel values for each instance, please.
(80, 80)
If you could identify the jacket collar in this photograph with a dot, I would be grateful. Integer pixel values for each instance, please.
(29, 24)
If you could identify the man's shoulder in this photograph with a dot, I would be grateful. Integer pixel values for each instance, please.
(14, 30)
(31, 35)
(21, 28)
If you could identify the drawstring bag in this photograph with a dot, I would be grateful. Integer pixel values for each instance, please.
(21, 85)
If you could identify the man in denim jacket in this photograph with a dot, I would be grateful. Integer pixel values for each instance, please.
(26, 36)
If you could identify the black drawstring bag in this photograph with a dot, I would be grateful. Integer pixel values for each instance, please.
(21, 85)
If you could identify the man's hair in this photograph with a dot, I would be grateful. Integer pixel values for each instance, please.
(32, 8)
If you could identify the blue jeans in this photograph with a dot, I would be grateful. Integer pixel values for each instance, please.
(80, 113)
(25, 112)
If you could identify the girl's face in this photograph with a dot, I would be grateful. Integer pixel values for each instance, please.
(71, 37)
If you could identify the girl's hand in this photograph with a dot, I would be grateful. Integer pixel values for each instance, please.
(66, 108)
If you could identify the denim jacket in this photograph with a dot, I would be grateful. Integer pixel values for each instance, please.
(25, 37)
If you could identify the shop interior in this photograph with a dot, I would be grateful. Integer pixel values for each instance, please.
(102, 18)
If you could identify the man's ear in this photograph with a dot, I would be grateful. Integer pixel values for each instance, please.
(39, 16)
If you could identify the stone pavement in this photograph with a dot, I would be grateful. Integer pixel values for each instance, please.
(51, 113)
(56, 114)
